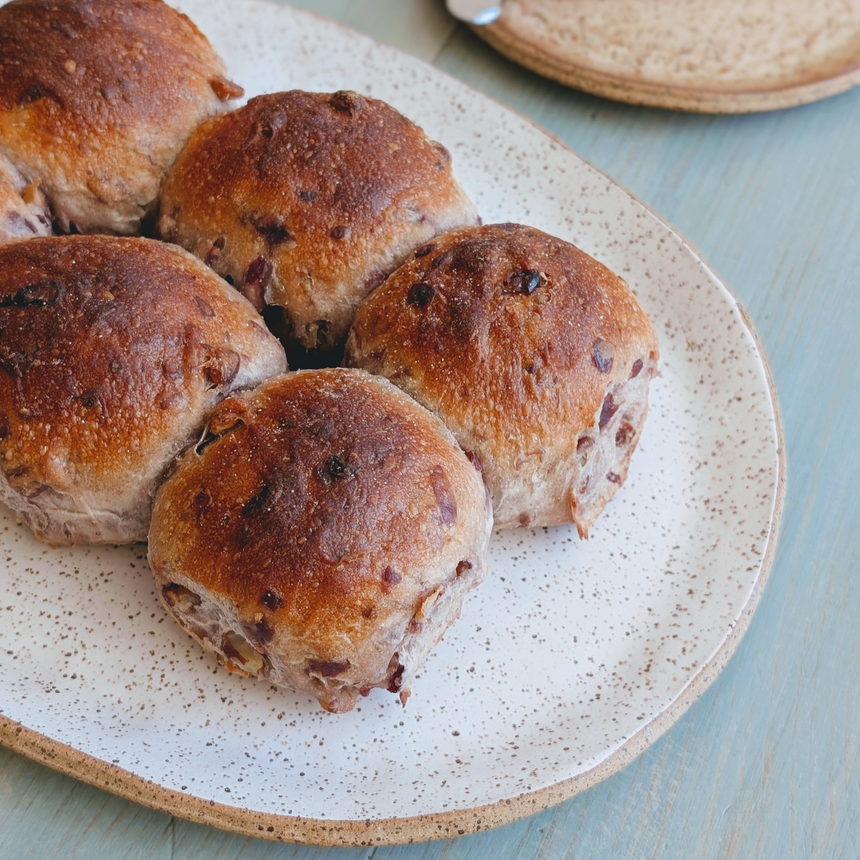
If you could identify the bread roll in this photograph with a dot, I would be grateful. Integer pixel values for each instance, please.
(535, 355)
(24, 211)
(97, 97)
(306, 201)
(112, 351)
(322, 536)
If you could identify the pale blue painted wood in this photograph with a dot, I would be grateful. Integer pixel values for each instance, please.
(765, 764)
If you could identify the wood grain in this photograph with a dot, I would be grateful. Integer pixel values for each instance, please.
(767, 762)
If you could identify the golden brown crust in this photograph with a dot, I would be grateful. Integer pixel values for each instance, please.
(97, 97)
(513, 337)
(111, 352)
(307, 200)
(321, 513)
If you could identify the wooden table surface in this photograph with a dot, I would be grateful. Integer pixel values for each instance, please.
(765, 764)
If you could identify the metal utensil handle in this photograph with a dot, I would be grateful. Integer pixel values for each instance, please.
(475, 11)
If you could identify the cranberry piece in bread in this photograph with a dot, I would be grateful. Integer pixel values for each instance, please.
(535, 355)
(24, 211)
(322, 536)
(112, 352)
(306, 201)
(97, 97)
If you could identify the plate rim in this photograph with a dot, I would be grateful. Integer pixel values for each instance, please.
(664, 94)
(448, 824)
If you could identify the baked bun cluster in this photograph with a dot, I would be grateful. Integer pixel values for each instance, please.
(307, 201)
(535, 355)
(317, 529)
(322, 535)
(97, 98)
(112, 352)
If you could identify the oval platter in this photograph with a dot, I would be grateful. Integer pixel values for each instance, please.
(710, 56)
(569, 661)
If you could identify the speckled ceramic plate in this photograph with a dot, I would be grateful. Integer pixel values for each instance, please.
(570, 660)
(714, 56)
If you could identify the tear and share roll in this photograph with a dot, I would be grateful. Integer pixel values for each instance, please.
(112, 352)
(97, 98)
(535, 355)
(322, 536)
(306, 201)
